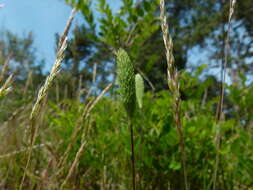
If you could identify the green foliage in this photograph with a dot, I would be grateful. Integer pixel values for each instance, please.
(105, 160)
(18, 56)
(132, 27)
(20, 50)
(135, 27)
(158, 156)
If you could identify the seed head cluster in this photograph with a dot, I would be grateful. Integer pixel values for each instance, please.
(139, 86)
(126, 80)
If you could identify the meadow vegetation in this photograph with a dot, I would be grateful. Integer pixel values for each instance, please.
(123, 107)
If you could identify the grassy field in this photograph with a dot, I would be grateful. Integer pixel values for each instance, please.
(124, 135)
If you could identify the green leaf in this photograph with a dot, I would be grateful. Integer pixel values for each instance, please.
(174, 165)
(147, 6)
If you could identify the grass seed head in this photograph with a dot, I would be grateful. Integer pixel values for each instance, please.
(139, 89)
(126, 80)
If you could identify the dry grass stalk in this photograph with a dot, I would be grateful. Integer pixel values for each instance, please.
(24, 149)
(74, 164)
(152, 86)
(79, 122)
(97, 99)
(6, 88)
(89, 106)
(57, 92)
(84, 142)
(221, 101)
(37, 108)
(45, 88)
(94, 75)
(173, 83)
(73, 139)
(4, 68)
(28, 82)
(79, 90)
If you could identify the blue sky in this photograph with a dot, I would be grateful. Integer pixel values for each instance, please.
(42, 17)
(45, 18)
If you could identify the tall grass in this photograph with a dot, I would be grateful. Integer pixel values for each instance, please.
(36, 110)
(173, 83)
(221, 100)
(65, 163)
(6, 88)
(83, 139)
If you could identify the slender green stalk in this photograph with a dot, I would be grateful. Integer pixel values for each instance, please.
(126, 79)
(132, 155)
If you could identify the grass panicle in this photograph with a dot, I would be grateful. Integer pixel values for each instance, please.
(4, 68)
(126, 79)
(6, 88)
(173, 83)
(37, 108)
(221, 100)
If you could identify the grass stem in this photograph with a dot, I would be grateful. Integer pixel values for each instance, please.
(132, 155)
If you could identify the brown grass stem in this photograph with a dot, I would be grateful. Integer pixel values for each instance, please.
(84, 142)
(132, 155)
(221, 101)
(173, 83)
(38, 106)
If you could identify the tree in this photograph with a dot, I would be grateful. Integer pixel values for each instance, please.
(136, 28)
(19, 55)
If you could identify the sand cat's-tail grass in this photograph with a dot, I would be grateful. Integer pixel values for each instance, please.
(139, 88)
(126, 79)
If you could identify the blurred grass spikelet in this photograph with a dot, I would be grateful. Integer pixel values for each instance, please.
(45, 88)
(6, 88)
(139, 89)
(126, 80)
(4, 68)
(62, 45)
